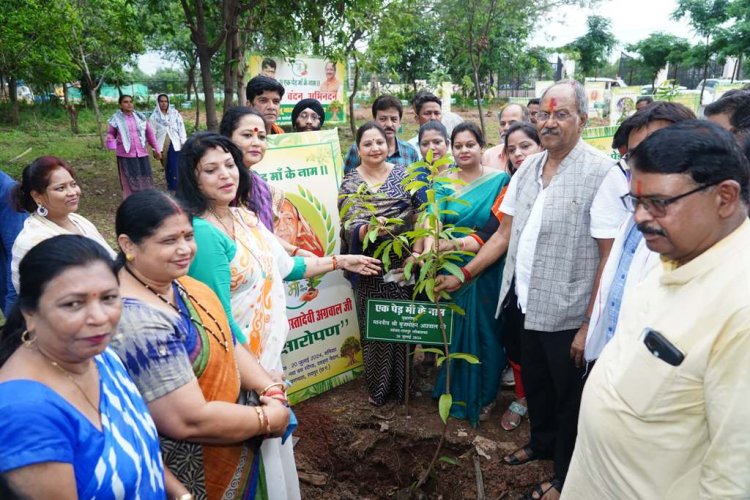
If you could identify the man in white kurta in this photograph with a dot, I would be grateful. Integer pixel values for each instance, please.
(654, 430)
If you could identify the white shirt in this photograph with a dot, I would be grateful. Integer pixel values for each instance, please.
(607, 212)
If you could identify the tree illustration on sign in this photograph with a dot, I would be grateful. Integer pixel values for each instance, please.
(349, 349)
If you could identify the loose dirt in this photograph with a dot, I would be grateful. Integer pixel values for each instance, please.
(348, 449)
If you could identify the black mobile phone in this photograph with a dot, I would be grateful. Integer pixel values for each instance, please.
(662, 348)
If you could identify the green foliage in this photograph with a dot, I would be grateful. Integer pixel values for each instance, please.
(32, 40)
(706, 16)
(405, 40)
(657, 50)
(444, 406)
(595, 46)
(110, 36)
(733, 39)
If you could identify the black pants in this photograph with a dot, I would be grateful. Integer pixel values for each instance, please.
(553, 390)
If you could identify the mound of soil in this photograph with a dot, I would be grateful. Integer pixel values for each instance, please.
(348, 449)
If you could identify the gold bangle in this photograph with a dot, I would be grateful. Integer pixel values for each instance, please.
(280, 385)
(268, 422)
(260, 418)
(185, 496)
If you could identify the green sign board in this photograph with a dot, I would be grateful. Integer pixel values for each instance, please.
(406, 321)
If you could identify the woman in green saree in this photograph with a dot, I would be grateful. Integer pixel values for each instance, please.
(473, 386)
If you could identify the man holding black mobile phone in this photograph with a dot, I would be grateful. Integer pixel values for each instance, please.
(664, 411)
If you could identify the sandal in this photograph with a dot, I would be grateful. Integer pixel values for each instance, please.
(484, 413)
(538, 492)
(514, 459)
(514, 415)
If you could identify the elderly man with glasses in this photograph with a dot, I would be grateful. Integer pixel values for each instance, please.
(562, 211)
(664, 413)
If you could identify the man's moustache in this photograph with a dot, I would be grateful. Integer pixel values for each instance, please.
(546, 131)
(643, 228)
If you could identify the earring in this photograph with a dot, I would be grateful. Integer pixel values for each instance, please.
(129, 257)
(27, 340)
(41, 210)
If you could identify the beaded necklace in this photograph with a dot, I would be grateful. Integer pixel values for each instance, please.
(223, 341)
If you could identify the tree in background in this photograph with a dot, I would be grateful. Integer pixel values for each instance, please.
(405, 41)
(706, 17)
(32, 45)
(656, 51)
(734, 39)
(595, 46)
(105, 38)
(347, 34)
(467, 27)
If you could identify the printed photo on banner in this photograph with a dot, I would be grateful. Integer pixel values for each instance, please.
(323, 348)
(305, 77)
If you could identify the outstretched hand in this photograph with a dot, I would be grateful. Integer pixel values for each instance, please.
(360, 264)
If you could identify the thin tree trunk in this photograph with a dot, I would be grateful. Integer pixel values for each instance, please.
(197, 107)
(705, 70)
(191, 79)
(208, 89)
(352, 121)
(92, 95)
(739, 67)
(71, 109)
(15, 116)
(478, 92)
(205, 52)
(230, 62)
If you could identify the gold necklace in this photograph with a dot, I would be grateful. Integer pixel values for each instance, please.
(231, 234)
(223, 341)
(69, 376)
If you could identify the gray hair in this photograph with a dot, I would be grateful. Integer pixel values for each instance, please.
(582, 102)
(525, 115)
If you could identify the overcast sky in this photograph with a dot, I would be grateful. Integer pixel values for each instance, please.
(632, 20)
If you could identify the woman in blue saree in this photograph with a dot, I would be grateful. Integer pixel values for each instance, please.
(473, 386)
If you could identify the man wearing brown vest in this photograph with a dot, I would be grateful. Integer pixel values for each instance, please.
(562, 211)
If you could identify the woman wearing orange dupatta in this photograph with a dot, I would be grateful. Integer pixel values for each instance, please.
(176, 344)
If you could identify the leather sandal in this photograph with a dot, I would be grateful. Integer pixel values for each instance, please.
(538, 491)
(513, 458)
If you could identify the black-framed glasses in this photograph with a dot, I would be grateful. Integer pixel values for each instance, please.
(657, 207)
(560, 115)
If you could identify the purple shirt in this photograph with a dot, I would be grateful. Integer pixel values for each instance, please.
(114, 140)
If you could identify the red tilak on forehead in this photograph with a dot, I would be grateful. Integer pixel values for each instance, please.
(638, 188)
(552, 104)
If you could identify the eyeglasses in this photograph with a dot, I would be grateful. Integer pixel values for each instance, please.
(309, 116)
(560, 116)
(657, 207)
